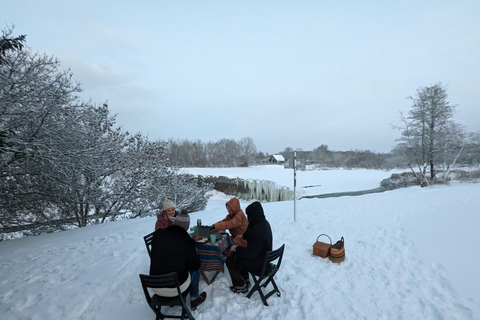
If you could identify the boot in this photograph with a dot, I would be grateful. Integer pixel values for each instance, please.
(243, 289)
(201, 299)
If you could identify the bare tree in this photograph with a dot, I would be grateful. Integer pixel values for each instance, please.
(288, 153)
(321, 155)
(247, 150)
(429, 135)
(471, 154)
(223, 153)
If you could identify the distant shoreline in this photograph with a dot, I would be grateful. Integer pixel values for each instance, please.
(347, 193)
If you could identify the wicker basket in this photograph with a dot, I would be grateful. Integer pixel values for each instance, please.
(337, 251)
(320, 248)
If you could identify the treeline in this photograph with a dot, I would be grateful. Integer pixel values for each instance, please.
(242, 153)
(64, 162)
(223, 153)
(324, 158)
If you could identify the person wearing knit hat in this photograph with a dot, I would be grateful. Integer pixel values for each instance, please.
(168, 204)
(182, 220)
(167, 215)
(173, 250)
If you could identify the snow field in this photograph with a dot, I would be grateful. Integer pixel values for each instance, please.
(410, 254)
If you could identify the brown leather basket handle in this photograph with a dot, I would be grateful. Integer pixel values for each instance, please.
(323, 234)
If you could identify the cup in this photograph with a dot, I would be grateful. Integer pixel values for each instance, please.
(213, 238)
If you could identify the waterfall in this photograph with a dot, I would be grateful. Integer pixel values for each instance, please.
(251, 189)
(263, 190)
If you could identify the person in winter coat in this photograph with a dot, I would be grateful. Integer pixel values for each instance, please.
(173, 250)
(166, 216)
(250, 258)
(235, 221)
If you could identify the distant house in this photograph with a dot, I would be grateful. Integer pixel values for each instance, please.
(277, 159)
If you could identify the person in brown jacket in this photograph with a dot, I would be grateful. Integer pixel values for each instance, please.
(235, 221)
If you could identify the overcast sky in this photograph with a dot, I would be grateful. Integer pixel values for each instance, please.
(286, 73)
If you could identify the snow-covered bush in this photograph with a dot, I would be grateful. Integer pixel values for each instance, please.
(467, 176)
(400, 180)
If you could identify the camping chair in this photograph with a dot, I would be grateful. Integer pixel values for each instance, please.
(156, 302)
(268, 271)
(148, 242)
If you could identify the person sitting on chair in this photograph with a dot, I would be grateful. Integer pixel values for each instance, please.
(167, 215)
(173, 250)
(250, 258)
(235, 221)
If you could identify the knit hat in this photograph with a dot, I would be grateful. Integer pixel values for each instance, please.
(182, 220)
(168, 204)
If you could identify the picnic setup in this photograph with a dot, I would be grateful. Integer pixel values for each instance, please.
(211, 255)
(179, 255)
(210, 248)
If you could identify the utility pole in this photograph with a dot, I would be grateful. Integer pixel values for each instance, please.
(295, 186)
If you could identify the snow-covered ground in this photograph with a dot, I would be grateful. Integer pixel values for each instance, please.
(410, 254)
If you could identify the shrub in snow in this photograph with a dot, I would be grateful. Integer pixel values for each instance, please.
(467, 176)
(400, 180)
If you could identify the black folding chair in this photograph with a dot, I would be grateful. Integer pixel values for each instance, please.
(268, 272)
(156, 302)
(148, 242)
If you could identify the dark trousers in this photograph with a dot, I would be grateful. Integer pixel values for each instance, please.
(238, 276)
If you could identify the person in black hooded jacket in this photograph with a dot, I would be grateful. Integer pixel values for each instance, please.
(250, 258)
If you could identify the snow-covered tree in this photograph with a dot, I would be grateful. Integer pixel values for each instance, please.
(9, 43)
(34, 102)
(65, 162)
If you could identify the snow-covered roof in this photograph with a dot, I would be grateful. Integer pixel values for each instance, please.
(278, 157)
